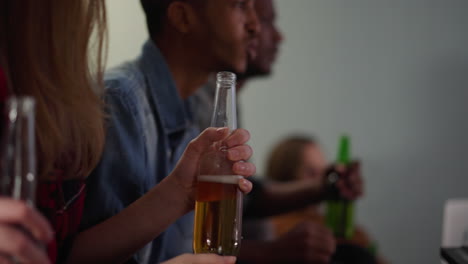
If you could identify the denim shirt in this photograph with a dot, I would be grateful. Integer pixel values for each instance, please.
(148, 128)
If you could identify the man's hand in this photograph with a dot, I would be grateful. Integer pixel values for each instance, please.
(238, 152)
(350, 184)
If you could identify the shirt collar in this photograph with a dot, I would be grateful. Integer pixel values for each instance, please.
(173, 111)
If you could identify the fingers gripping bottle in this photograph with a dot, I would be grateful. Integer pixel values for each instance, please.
(218, 208)
(339, 214)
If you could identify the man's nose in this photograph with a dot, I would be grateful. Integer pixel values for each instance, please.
(278, 36)
(253, 24)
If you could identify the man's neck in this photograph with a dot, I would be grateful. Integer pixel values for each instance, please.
(188, 73)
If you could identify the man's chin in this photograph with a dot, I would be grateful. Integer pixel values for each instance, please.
(257, 71)
(238, 69)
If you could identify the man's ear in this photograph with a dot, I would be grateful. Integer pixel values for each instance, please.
(181, 16)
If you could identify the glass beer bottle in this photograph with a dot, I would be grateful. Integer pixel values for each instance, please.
(18, 155)
(218, 208)
(339, 215)
(17, 151)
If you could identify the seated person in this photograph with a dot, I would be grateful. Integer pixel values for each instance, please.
(300, 158)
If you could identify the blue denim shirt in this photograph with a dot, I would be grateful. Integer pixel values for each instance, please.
(149, 126)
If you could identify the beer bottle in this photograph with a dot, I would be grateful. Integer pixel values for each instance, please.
(218, 208)
(339, 214)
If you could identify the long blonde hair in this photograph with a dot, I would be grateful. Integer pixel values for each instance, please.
(52, 50)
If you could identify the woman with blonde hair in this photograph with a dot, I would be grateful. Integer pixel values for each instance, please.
(44, 53)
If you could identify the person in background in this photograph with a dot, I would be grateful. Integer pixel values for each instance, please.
(298, 158)
(44, 53)
(150, 126)
(310, 242)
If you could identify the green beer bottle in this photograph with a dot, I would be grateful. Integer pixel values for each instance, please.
(339, 216)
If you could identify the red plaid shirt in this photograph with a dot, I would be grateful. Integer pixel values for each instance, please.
(62, 203)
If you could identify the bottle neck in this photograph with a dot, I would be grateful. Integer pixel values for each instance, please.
(225, 112)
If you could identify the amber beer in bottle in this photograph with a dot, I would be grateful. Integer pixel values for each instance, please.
(218, 208)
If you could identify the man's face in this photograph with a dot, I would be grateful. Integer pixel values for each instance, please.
(227, 33)
(268, 40)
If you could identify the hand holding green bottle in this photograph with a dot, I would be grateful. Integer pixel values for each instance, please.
(344, 186)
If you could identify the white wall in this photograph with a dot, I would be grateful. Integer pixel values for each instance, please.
(393, 74)
(127, 30)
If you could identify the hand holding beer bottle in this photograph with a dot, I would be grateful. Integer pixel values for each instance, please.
(185, 174)
(344, 185)
(351, 186)
(218, 208)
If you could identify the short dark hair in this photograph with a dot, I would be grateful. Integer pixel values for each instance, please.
(155, 12)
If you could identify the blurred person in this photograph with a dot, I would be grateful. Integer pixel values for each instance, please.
(299, 158)
(150, 126)
(288, 196)
(271, 198)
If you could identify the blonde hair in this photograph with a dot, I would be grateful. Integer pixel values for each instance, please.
(286, 158)
(47, 46)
